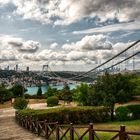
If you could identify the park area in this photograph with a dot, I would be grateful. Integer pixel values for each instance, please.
(107, 109)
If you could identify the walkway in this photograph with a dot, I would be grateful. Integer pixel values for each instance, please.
(10, 130)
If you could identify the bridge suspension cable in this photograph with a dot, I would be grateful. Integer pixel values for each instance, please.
(83, 75)
(106, 61)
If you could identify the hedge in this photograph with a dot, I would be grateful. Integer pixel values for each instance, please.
(66, 115)
(130, 112)
(135, 110)
(123, 113)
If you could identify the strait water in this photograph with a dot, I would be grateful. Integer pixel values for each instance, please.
(33, 90)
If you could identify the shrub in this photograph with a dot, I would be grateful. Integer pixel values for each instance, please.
(20, 103)
(135, 110)
(123, 113)
(52, 101)
(65, 115)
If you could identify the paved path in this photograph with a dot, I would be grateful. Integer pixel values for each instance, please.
(10, 130)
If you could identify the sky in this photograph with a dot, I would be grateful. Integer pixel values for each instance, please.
(73, 35)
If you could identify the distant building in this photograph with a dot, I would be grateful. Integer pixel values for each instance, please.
(8, 67)
(17, 67)
(27, 69)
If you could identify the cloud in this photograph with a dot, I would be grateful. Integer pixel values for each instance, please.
(87, 43)
(30, 46)
(92, 49)
(65, 12)
(7, 55)
(85, 53)
(19, 44)
(53, 45)
(112, 28)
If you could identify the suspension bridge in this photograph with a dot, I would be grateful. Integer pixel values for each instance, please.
(127, 60)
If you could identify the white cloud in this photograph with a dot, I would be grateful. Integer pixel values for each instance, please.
(111, 28)
(8, 55)
(53, 45)
(65, 12)
(87, 43)
(89, 50)
(85, 53)
(19, 44)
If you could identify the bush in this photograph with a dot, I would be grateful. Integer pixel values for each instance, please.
(52, 101)
(123, 113)
(135, 110)
(20, 103)
(66, 115)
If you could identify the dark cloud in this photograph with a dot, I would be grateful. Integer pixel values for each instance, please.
(15, 44)
(29, 46)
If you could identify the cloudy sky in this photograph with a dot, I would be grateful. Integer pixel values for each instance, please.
(66, 34)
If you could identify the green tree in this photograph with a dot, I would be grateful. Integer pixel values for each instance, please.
(66, 93)
(39, 92)
(5, 95)
(113, 89)
(136, 81)
(81, 94)
(51, 92)
(18, 90)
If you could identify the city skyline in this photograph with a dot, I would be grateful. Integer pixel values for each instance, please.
(66, 35)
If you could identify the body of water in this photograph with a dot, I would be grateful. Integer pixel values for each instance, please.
(33, 90)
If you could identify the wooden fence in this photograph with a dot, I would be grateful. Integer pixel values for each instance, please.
(69, 132)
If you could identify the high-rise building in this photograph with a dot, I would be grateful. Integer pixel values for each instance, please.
(27, 69)
(17, 67)
(8, 67)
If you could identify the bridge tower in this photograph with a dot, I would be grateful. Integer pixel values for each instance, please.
(45, 72)
(45, 68)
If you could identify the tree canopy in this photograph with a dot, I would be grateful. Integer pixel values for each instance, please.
(18, 90)
(39, 92)
(66, 94)
(113, 89)
(5, 95)
(51, 92)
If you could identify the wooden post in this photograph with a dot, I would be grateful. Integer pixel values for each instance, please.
(30, 123)
(57, 131)
(122, 135)
(71, 132)
(91, 132)
(38, 128)
(26, 122)
(46, 129)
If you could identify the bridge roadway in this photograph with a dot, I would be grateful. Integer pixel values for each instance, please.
(10, 130)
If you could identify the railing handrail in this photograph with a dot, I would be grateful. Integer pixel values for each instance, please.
(53, 128)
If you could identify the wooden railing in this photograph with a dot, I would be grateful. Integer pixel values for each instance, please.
(69, 132)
